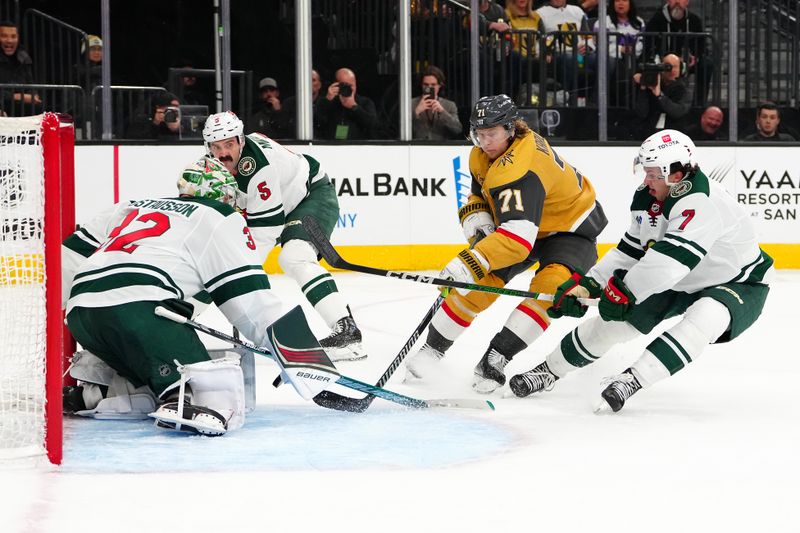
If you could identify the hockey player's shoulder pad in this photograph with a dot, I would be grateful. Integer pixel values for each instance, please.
(254, 158)
(695, 183)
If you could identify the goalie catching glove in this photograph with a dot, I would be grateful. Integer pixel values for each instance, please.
(469, 266)
(617, 300)
(565, 300)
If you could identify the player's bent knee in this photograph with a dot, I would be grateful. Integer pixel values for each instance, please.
(710, 317)
(296, 253)
(547, 280)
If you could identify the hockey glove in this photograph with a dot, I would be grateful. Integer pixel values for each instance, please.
(617, 301)
(469, 266)
(477, 221)
(477, 226)
(565, 300)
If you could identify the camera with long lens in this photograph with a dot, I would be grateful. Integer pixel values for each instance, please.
(345, 89)
(652, 71)
(172, 115)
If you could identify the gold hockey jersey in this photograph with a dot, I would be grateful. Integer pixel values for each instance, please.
(531, 193)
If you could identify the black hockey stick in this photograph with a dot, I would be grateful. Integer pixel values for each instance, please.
(332, 400)
(336, 261)
(341, 380)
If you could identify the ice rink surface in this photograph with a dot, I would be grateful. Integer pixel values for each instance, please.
(716, 448)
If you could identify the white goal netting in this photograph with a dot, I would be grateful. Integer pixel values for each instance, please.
(22, 289)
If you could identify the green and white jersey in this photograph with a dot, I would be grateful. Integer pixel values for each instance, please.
(272, 182)
(698, 237)
(170, 248)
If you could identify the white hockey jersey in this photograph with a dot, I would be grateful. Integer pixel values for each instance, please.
(159, 249)
(698, 237)
(272, 181)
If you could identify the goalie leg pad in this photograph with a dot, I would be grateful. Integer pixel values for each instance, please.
(216, 386)
(302, 360)
(86, 366)
(123, 401)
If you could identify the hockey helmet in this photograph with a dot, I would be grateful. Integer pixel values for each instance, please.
(208, 178)
(669, 150)
(221, 126)
(491, 111)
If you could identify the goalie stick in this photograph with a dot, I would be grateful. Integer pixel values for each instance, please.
(336, 261)
(342, 380)
(332, 400)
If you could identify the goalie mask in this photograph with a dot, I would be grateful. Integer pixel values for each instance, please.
(221, 126)
(669, 151)
(208, 178)
(491, 111)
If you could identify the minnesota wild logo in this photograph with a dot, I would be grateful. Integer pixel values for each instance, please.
(681, 188)
(247, 166)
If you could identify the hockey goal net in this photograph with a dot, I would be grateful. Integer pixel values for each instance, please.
(36, 210)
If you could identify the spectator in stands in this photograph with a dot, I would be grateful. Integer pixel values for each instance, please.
(90, 72)
(663, 103)
(344, 114)
(269, 118)
(768, 118)
(435, 118)
(672, 19)
(709, 128)
(624, 47)
(190, 92)
(16, 67)
(569, 65)
(524, 56)
(290, 107)
(492, 17)
(621, 18)
(162, 125)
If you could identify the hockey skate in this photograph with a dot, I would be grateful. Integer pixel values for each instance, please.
(618, 390)
(489, 374)
(537, 379)
(195, 419)
(423, 363)
(72, 399)
(344, 344)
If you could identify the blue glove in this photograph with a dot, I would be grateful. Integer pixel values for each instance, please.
(617, 300)
(565, 300)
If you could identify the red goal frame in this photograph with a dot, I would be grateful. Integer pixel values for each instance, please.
(58, 151)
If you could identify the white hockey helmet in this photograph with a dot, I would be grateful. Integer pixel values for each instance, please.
(221, 126)
(668, 149)
(208, 178)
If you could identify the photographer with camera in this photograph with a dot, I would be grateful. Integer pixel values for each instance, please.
(435, 118)
(345, 115)
(164, 124)
(663, 99)
(270, 117)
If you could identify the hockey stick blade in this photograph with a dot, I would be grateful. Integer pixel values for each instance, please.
(359, 405)
(342, 380)
(333, 258)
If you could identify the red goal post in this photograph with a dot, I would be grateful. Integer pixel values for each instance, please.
(37, 210)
